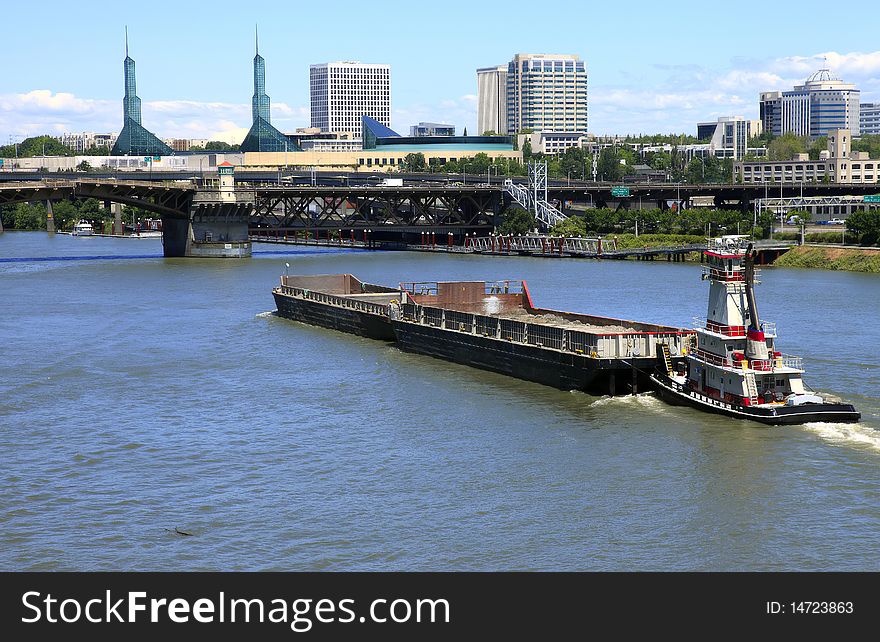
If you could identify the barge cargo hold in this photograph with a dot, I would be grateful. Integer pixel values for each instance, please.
(493, 326)
(338, 302)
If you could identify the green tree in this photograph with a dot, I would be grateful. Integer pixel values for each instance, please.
(818, 145)
(30, 217)
(490, 132)
(869, 143)
(465, 132)
(575, 162)
(83, 167)
(101, 150)
(516, 220)
(609, 167)
(65, 214)
(36, 146)
(786, 146)
(572, 226)
(527, 148)
(761, 140)
(414, 162)
(865, 224)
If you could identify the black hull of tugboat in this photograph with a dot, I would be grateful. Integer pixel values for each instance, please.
(776, 416)
(363, 324)
(563, 370)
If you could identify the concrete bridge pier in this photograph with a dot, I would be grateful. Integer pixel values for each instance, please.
(116, 209)
(50, 218)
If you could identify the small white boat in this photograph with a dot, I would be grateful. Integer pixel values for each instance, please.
(83, 228)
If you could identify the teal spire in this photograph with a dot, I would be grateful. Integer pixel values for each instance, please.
(134, 139)
(260, 101)
(131, 104)
(262, 136)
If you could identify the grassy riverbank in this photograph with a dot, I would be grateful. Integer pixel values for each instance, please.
(832, 258)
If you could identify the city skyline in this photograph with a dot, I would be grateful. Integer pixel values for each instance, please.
(642, 78)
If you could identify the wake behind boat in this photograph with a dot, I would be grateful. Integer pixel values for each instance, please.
(735, 369)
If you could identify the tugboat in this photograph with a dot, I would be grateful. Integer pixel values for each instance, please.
(734, 369)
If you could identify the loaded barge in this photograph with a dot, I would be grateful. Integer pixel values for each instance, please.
(490, 325)
(735, 369)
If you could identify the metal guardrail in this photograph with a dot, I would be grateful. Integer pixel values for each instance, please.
(542, 244)
(340, 301)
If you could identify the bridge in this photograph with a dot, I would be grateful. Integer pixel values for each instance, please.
(196, 211)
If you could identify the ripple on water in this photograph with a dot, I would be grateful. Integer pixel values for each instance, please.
(142, 395)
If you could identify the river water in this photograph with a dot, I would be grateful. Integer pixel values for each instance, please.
(140, 394)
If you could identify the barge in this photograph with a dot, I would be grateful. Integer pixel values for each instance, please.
(735, 368)
(492, 326)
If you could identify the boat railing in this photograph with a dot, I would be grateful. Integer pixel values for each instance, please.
(341, 301)
(790, 361)
(734, 331)
(595, 345)
(432, 288)
(761, 365)
(420, 287)
(713, 272)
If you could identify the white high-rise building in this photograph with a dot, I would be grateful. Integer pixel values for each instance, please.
(729, 136)
(342, 92)
(822, 104)
(546, 92)
(492, 100)
(869, 119)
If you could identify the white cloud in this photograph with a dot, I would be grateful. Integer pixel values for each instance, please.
(675, 103)
(44, 111)
(461, 112)
(692, 93)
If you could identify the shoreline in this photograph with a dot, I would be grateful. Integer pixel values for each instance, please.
(865, 260)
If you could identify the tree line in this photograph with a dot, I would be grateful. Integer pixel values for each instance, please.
(65, 213)
(46, 145)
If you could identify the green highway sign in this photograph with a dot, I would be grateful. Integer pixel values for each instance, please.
(872, 198)
(620, 191)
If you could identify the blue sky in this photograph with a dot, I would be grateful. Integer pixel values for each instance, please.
(653, 66)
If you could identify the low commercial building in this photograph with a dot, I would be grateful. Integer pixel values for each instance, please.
(839, 164)
(552, 143)
(385, 150)
(80, 142)
(179, 162)
(432, 129)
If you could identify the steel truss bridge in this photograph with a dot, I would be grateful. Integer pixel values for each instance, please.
(407, 209)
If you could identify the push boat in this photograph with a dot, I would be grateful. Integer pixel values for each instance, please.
(734, 368)
(488, 325)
